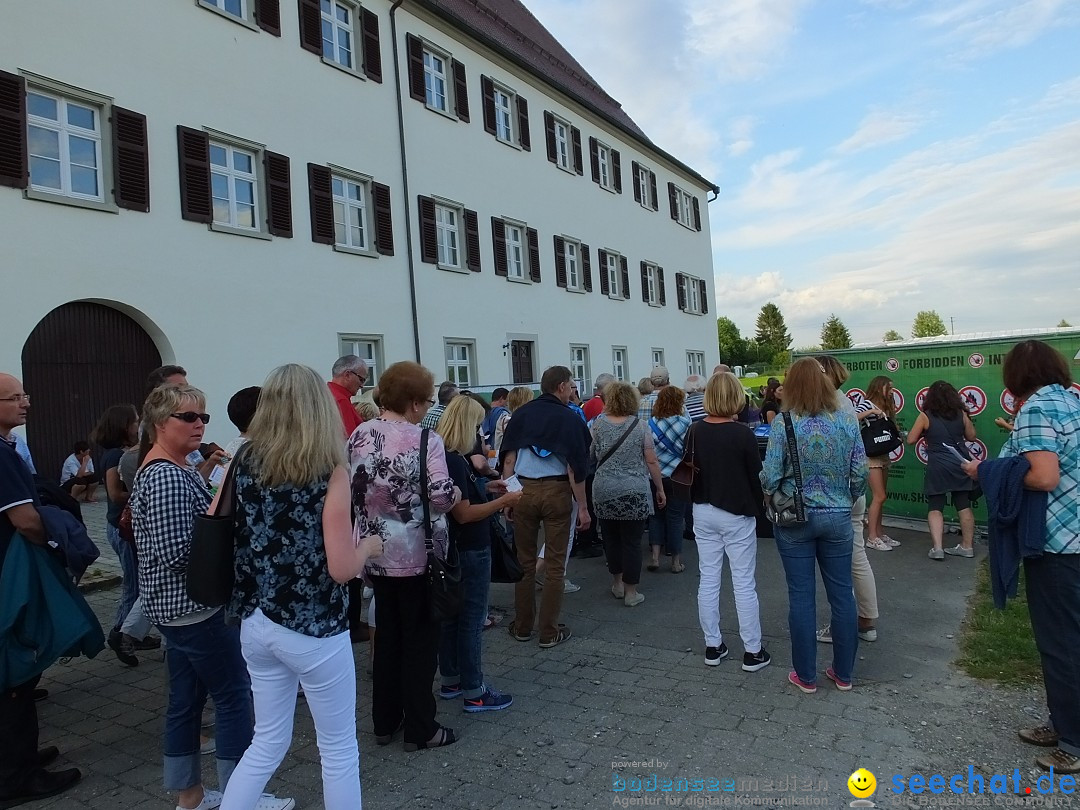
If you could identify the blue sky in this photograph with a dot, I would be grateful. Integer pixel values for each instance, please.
(876, 157)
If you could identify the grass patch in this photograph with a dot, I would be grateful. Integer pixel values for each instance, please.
(997, 645)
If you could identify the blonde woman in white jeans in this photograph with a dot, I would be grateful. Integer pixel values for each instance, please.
(295, 555)
(862, 575)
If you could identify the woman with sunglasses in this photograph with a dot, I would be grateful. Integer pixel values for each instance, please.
(203, 654)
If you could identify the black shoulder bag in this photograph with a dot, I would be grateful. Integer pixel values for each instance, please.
(782, 509)
(211, 563)
(443, 576)
(618, 444)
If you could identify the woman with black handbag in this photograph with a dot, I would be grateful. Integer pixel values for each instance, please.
(471, 531)
(879, 410)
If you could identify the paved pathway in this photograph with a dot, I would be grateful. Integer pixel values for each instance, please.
(627, 697)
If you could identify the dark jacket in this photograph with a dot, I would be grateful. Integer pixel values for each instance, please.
(70, 537)
(1017, 522)
(42, 615)
(547, 423)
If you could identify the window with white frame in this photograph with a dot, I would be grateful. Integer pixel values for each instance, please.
(572, 256)
(435, 80)
(579, 363)
(459, 362)
(618, 362)
(338, 32)
(350, 212)
(692, 291)
(504, 115)
(614, 274)
(685, 207)
(652, 285)
(658, 358)
(645, 181)
(234, 8)
(64, 145)
(447, 221)
(603, 163)
(234, 184)
(562, 145)
(515, 251)
(695, 364)
(368, 348)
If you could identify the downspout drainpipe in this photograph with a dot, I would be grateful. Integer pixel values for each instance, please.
(405, 184)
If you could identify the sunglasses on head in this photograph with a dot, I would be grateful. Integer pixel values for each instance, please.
(192, 417)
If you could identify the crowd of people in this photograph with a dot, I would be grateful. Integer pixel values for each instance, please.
(336, 503)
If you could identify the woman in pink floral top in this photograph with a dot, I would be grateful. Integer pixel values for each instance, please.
(384, 456)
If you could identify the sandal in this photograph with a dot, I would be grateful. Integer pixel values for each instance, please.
(677, 568)
(386, 739)
(492, 620)
(446, 737)
(653, 566)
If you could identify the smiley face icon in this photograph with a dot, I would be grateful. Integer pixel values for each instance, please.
(862, 784)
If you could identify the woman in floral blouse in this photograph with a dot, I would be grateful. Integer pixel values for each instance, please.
(384, 455)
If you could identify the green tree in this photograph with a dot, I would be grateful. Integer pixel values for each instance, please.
(928, 324)
(834, 335)
(772, 333)
(780, 360)
(733, 346)
(1063, 324)
(892, 335)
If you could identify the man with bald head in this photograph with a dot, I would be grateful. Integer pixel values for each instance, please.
(23, 777)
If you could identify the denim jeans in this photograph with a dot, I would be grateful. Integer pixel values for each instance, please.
(1053, 594)
(825, 539)
(129, 567)
(205, 658)
(666, 525)
(460, 643)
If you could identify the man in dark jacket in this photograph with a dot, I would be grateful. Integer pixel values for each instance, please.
(23, 777)
(546, 445)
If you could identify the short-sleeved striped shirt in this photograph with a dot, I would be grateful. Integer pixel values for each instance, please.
(1050, 420)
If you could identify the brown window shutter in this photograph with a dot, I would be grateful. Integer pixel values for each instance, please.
(524, 138)
(601, 259)
(645, 282)
(579, 164)
(534, 255)
(498, 243)
(131, 160)
(637, 181)
(560, 261)
(673, 200)
(697, 215)
(680, 289)
(549, 136)
(472, 241)
(415, 49)
(321, 200)
(653, 201)
(487, 92)
(384, 219)
(194, 150)
(586, 268)
(702, 298)
(594, 159)
(14, 162)
(461, 91)
(278, 195)
(661, 286)
(625, 278)
(429, 233)
(268, 16)
(311, 26)
(616, 170)
(369, 24)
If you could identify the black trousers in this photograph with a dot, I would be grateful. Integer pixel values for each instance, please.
(622, 545)
(18, 736)
(406, 657)
(590, 536)
(356, 602)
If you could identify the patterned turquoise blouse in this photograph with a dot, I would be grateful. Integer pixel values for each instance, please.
(831, 456)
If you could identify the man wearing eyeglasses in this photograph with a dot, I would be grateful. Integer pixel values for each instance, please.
(22, 774)
(348, 376)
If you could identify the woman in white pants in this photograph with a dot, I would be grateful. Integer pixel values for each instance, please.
(727, 498)
(295, 555)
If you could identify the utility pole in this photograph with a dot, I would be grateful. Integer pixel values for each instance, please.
(952, 326)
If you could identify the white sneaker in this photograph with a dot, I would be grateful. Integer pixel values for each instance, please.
(892, 543)
(268, 802)
(960, 551)
(878, 544)
(570, 587)
(211, 800)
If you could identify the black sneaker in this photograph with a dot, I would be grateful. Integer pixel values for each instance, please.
(752, 662)
(714, 655)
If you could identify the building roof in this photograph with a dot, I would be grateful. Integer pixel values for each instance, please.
(508, 27)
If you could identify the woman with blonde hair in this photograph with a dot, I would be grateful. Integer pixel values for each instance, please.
(669, 426)
(878, 404)
(517, 397)
(727, 498)
(625, 462)
(833, 466)
(295, 556)
(470, 531)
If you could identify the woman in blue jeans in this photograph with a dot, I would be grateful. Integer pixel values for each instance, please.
(669, 427)
(460, 643)
(834, 472)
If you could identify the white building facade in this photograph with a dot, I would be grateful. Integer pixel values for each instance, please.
(233, 184)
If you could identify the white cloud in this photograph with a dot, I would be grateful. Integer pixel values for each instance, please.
(741, 136)
(980, 27)
(880, 127)
(743, 38)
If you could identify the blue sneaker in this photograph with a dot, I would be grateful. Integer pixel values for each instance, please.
(450, 692)
(490, 701)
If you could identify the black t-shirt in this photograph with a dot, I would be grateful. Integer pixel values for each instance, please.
(728, 465)
(467, 536)
(16, 487)
(769, 405)
(110, 459)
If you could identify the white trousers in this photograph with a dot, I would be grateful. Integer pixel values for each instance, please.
(862, 575)
(719, 534)
(277, 660)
